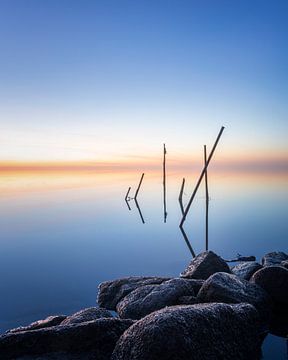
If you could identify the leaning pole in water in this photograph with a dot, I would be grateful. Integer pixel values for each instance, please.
(200, 178)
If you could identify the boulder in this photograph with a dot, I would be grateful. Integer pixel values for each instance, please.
(95, 338)
(146, 299)
(245, 270)
(111, 292)
(88, 314)
(187, 300)
(228, 288)
(274, 280)
(40, 324)
(193, 332)
(274, 258)
(205, 265)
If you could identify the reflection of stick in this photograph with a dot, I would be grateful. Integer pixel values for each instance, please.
(126, 197)
(207, 197)
(139, 210)
(201, 177)
(135, 196)
(187, 241)
(181, 196)
(127, 203)
(164, 182)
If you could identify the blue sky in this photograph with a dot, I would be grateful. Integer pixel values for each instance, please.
(103, 79)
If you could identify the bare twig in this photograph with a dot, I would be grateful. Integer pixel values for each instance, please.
(207, 199)
(187, 242)
(164, 183)
(180, 199)
(140, 182)
(126, 197)
(200, 178)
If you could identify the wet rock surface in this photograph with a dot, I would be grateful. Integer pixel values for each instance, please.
(146, 299)
(96, 339)
(88, 314)
(111, 292)
(228, 288)
(202, 331)
(40, 324)
(274, 258)
(245, 270)
(205, 265)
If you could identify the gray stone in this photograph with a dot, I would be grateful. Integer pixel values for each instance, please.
(146, 299)
(245, 270)
(205, 265)
(194, 332)
(40, 324)
(111, 292)
(274, 280)
(88, 314)
(95, 338)
(187, 300)
(274, 258)
(227, 288)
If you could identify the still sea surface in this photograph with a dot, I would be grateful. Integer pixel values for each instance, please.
(62, 233)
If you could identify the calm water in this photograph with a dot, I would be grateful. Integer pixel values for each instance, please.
(62, 234)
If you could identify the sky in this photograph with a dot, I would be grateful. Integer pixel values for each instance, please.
(99, 82)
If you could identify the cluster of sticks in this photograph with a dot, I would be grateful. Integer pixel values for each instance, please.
(183, 210)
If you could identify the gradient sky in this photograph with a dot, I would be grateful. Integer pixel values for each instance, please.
(112, 80)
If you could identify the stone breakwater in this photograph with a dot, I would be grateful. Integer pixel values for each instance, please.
(210, 312)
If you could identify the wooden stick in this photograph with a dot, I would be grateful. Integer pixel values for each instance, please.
(207, 199)
(187, 242)
(126, 197)
(180, 199)
(136, 194)
(127, 203)
(164, 182)
(139, 210)
(201, 177)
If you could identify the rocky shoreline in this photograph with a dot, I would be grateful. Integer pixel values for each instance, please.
(210, 312)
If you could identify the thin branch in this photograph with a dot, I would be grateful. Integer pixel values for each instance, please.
(164, 183)
(139, 210)
(201, 177)
(126, 197)
(136, 194)
(180, 198)
(207, 199)
(187, 242)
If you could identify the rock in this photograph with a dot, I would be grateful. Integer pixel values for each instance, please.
(187, 300)
(202, 331)
(245, 270)
(95, 338)
(146, 299)
(111, 292)
(227, 288)
(274, 280)
(205, 265)
(274, 258)
(40, 324)
(88, 314)
(284, 264)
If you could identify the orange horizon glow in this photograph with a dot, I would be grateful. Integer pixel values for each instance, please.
(220, 164)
